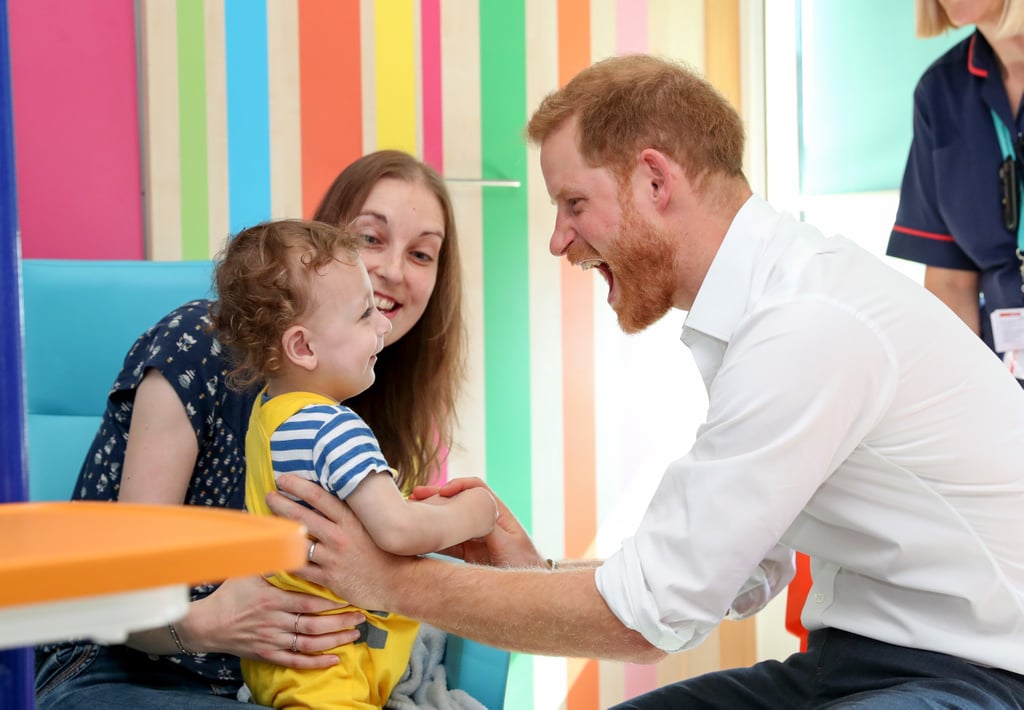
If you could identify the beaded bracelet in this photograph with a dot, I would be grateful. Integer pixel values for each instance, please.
(177, 642)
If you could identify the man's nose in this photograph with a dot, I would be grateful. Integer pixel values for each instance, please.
(561, 238)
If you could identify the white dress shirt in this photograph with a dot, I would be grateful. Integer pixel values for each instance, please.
(852, 416)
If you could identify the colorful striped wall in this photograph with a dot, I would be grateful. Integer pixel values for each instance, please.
(250, 107)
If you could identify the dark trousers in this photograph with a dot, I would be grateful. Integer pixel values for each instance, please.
(844, 670)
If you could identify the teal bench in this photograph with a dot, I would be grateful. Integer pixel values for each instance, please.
(80, 318)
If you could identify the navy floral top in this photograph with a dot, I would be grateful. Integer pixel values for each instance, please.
(192, 360)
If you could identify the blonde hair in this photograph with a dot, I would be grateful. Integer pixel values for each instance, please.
(932, 20)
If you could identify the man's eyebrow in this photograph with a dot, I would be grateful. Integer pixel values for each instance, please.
(562, 194)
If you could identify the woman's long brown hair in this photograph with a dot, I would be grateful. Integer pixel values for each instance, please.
(411, 406)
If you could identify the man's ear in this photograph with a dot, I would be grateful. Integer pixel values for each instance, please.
(656, 171)
(297, 349)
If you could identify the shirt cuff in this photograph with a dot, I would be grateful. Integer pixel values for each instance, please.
(620, 581)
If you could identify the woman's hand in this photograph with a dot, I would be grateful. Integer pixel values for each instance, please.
(251, 618)
(508, 545)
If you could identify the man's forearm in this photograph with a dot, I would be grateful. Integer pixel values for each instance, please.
(554, 613)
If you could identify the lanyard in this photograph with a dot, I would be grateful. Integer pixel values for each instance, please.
(1013, 192)
(1010, 179)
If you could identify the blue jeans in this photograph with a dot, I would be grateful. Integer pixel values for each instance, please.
(88, 676)
(845, 671)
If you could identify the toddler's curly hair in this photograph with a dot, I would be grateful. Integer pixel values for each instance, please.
(262, 282)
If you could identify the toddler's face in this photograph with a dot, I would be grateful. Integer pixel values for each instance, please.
(346, 331)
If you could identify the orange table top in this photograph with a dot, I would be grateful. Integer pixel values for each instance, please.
(58, 551)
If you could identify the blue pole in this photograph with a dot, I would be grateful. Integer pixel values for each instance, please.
(16, 666)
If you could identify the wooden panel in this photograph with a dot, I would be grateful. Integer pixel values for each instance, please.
(722, 48)
(216, 127)
(158, 23)
(283, 81)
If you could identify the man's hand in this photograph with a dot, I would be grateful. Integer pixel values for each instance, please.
(345, 560)
(507, 545)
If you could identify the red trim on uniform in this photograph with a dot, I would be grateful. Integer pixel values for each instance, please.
(926, 235)
(977, 71)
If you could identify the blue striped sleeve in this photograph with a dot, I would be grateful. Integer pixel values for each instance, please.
(346, 452)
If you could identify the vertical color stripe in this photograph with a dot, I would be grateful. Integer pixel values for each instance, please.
(245, 24)
(722, 30)
(430, 63)
(631, 26)
(578, 369)
(506, 348)
(675, 29)
(395, 75)
(608, 474)
(550, 680)
(502, 83)
(460, 32)
(631, 36)
(75, 110)
(577, 329)
(722, 49)
(161, 136)
(603, 42)
(285, 109)
(603, 32)
(331, 92)
(192, 129)
(416, 79)
(368, 73)
(216, 128)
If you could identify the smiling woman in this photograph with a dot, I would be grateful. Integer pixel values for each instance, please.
(401, 248)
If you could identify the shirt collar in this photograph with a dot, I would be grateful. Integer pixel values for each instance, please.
(724, 294)
(983, 66)
(980, 57)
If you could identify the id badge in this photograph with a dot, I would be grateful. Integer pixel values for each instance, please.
(1008, 338)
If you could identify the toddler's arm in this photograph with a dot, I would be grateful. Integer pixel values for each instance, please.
(405, 527)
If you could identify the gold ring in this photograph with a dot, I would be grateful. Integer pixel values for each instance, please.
(297, 623)
(295, 641)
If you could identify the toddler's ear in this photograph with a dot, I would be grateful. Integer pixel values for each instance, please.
(297, 349)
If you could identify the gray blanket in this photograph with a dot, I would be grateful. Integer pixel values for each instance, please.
(424, 686)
